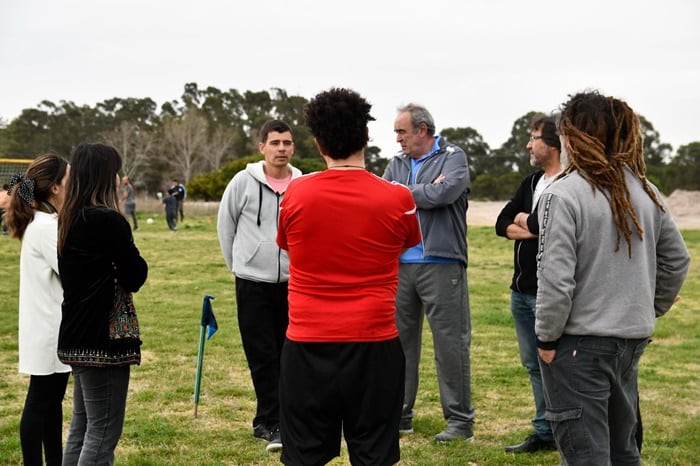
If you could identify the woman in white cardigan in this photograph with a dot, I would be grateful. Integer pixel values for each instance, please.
(36, 198)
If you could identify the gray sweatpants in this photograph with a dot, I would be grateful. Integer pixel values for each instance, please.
(438, 291)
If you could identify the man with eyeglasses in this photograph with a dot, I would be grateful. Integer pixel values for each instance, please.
(516, 222)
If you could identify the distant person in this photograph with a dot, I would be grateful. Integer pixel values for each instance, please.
(99, 338)
(517, 222)
(180, 194)
(170, 206)
(129, 199)
(247, 229)
(342, 363)
(35, 199)
(4, 204)
(433, 274)
(611, 261)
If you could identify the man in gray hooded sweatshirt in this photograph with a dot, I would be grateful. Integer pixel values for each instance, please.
(247, 229)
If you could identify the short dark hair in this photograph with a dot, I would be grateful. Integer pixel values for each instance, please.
(338, 119)
(277, 126)
(548, 125)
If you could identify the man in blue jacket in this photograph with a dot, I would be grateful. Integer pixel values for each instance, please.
(433, 275)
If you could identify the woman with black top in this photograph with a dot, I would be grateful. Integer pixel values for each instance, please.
(99, 336)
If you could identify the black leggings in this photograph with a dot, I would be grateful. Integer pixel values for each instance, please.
(42, 419)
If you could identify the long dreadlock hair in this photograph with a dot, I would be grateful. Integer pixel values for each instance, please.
(603, 136)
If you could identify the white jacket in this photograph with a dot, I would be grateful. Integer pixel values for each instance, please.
(40, 298)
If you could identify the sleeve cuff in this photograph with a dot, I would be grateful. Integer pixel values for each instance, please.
(547, 345)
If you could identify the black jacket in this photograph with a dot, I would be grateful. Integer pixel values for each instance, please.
(525, 251)
(100, 267)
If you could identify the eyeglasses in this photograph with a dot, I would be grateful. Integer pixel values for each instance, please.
(535, 138)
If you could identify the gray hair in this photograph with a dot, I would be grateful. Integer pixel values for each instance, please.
(419, 114)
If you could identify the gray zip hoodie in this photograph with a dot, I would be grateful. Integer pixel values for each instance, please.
(585, 287)
(247, 227)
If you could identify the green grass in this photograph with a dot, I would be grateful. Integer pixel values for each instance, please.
(160, 428)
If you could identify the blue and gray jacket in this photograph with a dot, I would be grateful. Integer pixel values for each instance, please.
(442, 207)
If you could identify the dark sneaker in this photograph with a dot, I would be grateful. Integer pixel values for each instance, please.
(262, 432)
(531, 444)
(405, 427)
(275, 442)
(455, 433)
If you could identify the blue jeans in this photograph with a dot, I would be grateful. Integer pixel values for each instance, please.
(99, 402)
(171, 220)
(130, 211)
(591, 392)
(522, 306)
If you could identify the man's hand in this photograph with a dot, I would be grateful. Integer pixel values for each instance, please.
(439, 179)
(521, 219)
(546, 355)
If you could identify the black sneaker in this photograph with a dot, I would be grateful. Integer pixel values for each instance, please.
(531, 444)
(405, 427)
(275, 441)
(262, 432)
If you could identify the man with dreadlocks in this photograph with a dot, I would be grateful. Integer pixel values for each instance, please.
(611, 260)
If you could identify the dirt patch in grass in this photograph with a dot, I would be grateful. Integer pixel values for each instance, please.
(684, 206)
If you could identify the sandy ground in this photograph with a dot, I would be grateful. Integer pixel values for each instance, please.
(684, 206)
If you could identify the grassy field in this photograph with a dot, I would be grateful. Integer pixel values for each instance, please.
(160, 427)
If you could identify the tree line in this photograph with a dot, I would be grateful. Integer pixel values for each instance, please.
(205, 135)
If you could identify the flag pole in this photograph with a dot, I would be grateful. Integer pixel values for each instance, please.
(209, 327)
(198, 377)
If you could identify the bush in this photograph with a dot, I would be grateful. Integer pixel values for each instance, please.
(210, 186)
(307, 165)
(488, 187)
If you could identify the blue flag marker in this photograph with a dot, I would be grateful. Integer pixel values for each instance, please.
(208, 319)
(208, 326)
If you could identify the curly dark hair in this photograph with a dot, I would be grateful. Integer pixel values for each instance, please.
(338, 119)
(603, 137)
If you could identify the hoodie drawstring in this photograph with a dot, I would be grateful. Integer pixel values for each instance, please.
(259, 201)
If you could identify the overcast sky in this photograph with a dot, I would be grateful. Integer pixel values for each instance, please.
(477, 63)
